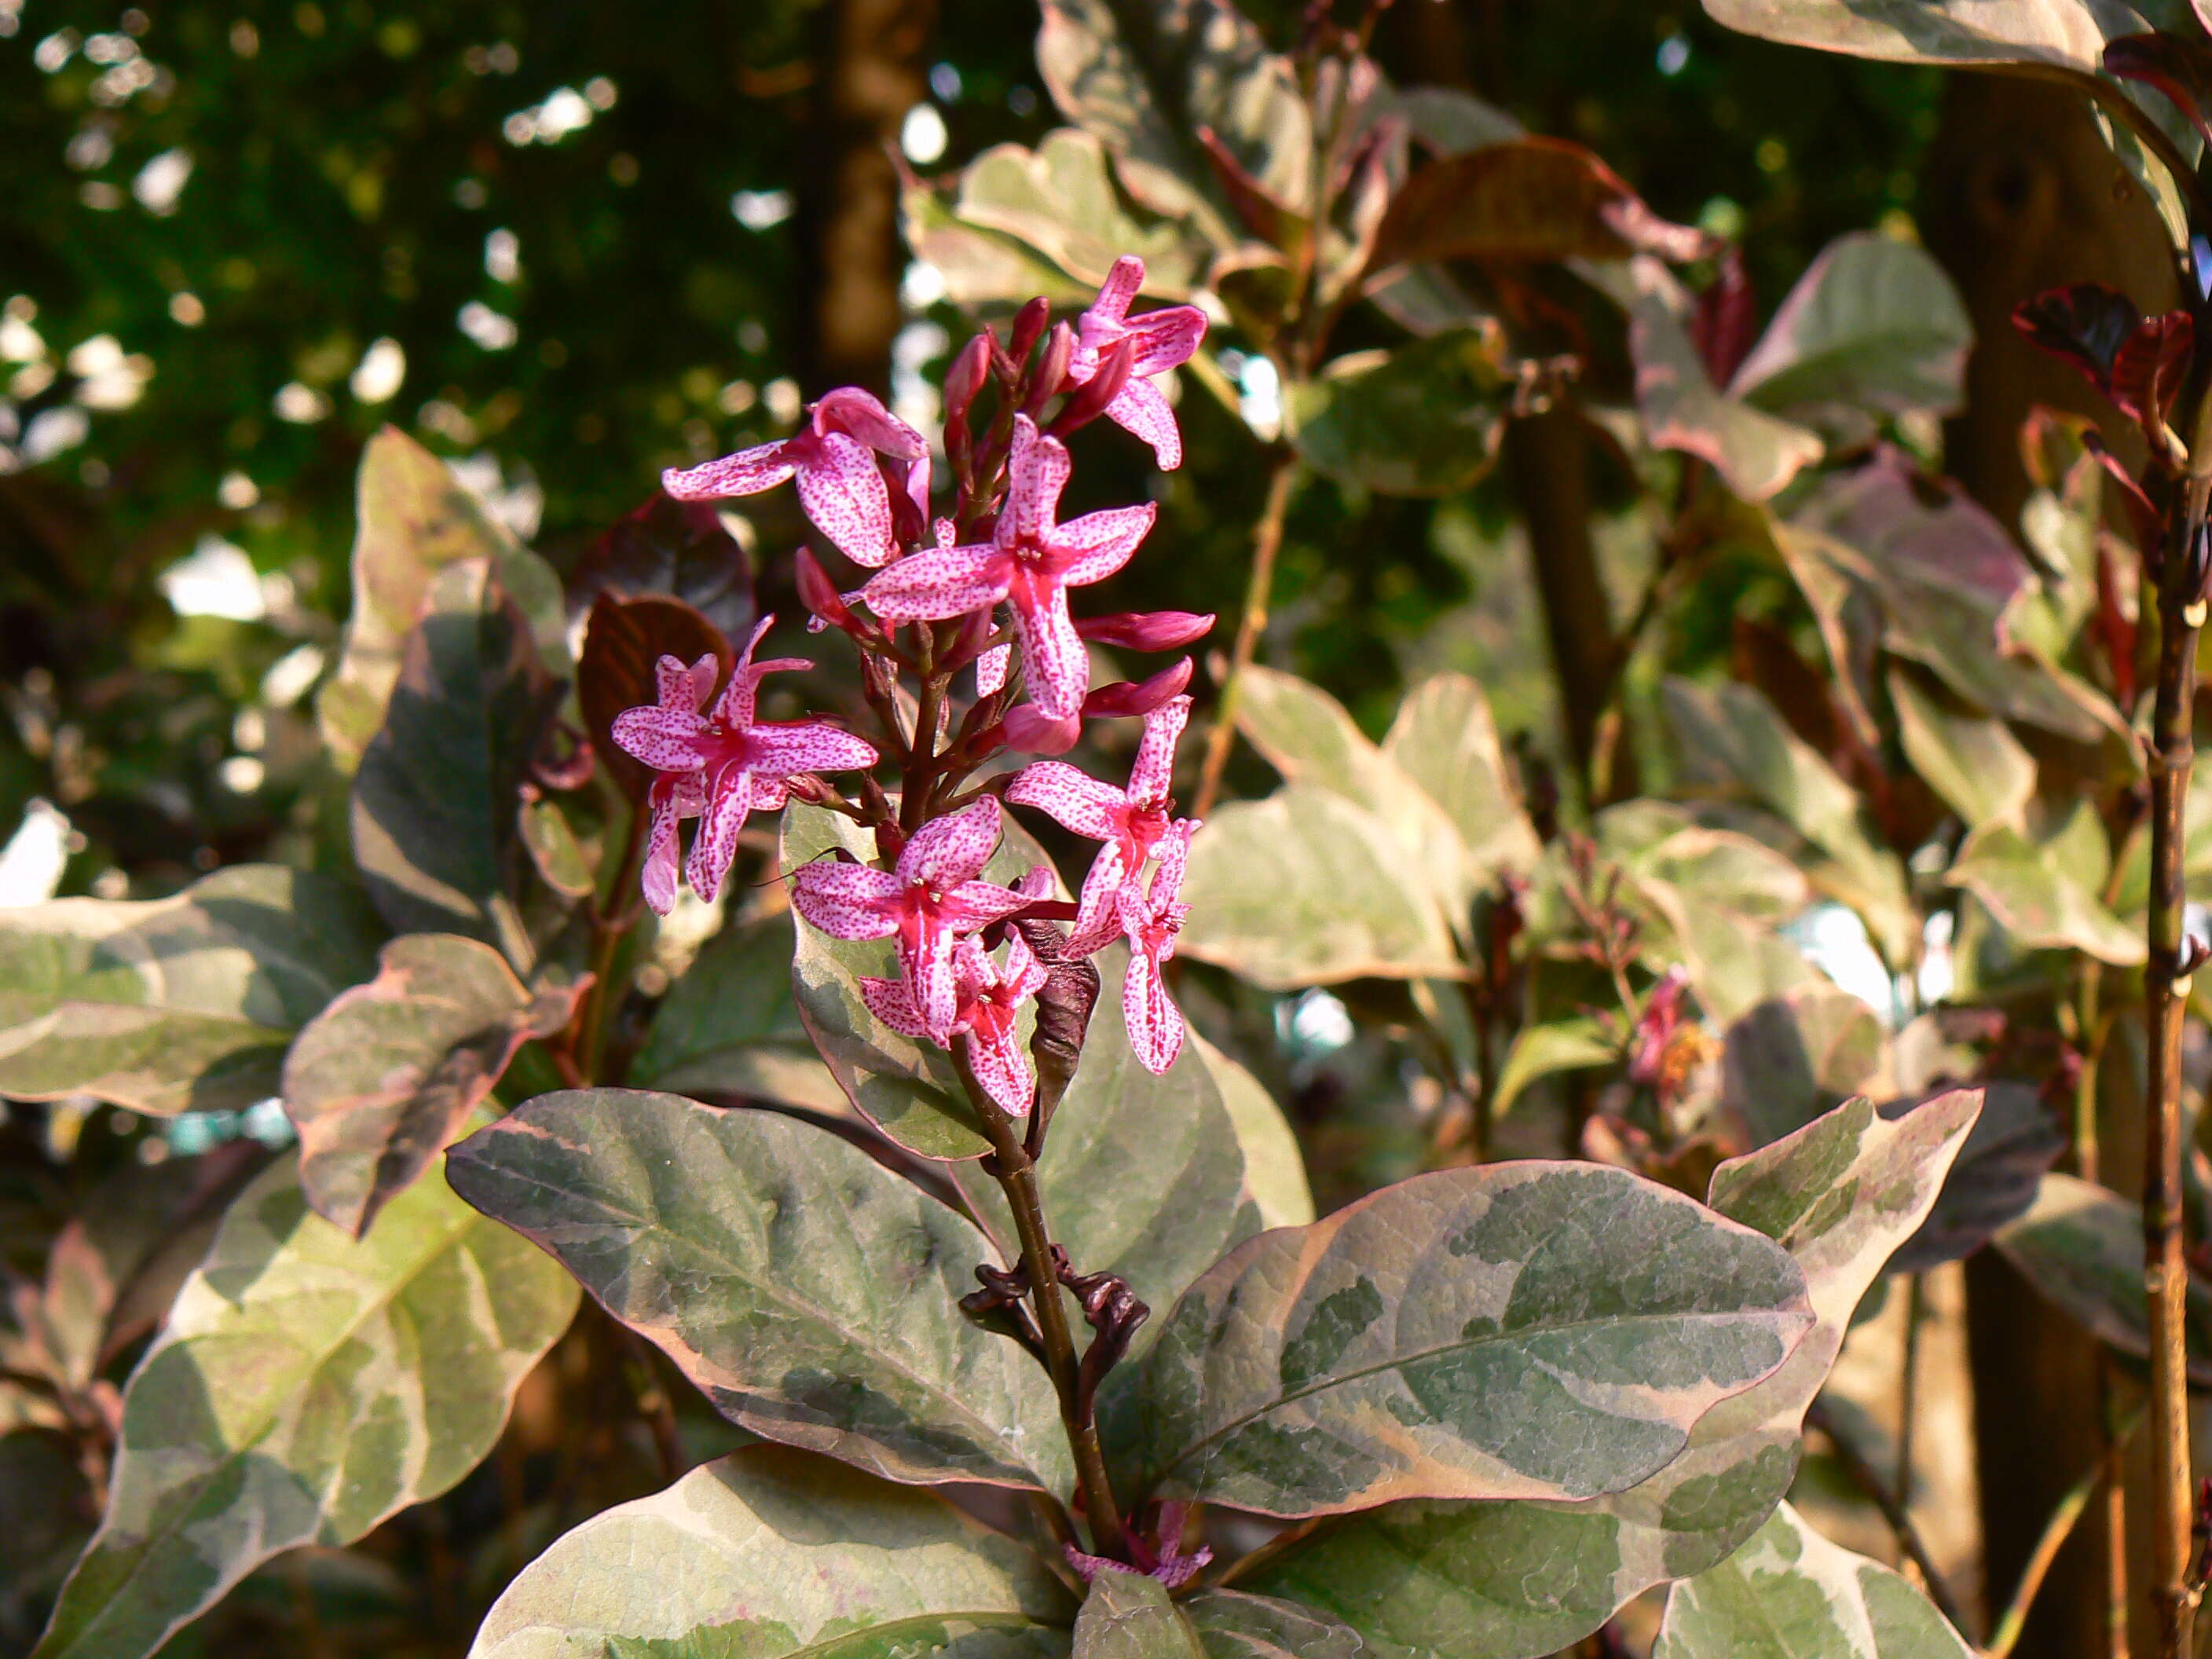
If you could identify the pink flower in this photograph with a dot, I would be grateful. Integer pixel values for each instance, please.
(1164, 338)
(834, 457)
(1153, 919)
(1030, 563)
(1131, 822)
(928, 900)
(726, 764)
(987, 997)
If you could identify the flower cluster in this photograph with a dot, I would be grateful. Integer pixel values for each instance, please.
(985, 586)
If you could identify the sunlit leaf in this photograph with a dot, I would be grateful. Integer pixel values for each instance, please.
(812, 1294)
(1274, 1166)
(184, 1003)
(306, 1387)
(1422, 420)
(1232, 1625)
(1975, 763)
(2044, 898)
(1445, 740)
(1127, 1616)
(1789, 1061)
(1060, 199)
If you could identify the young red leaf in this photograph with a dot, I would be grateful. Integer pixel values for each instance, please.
(2084, 323)
(2179, 68)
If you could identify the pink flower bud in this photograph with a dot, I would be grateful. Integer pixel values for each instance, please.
(966, 377)
(1126, 697)
(1051, 371)
(1145, 630)
(907, 486)
(1089, 400)
(1029, 324)
(1029, 730)
(974, 632)
(818, 593)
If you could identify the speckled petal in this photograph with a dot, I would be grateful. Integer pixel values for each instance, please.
(1098, 912)
(1070, 796)
(1036, 473)
(1165, 338)
(843, 494)
(1059, 668)
(1153, 775)
(975, 904)
(991, 670)
(862, 415)
(663, 738)
(949, 850)
(927, 958)
(714, 847)
(1002, 1067)
(1097, 544)
(746, 473)
(1143, 408)
(941, 582)
(892, 1000)
(788, 748)
(1153, 1022)
(847, 901)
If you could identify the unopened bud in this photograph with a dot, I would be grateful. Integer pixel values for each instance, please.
(974, 632)
(1027, 729)
(966, 377)
(890, 840)
(1089, 400)
(908, 485)
(1051, 369)
(818, 593)
(1029, 323)
(1126, 697)
(1145, 630)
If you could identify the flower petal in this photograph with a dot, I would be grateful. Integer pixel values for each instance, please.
(861, 415)
(843, 494)
(1142, 408)
(1165, 338)
(991, 670)
(746, 473)
(678, 685)
(847, 901)
(1153, 774)
(1123, 284)
(1037, 472)
(714, 847)
(1023, 975)
(941, 583)
(1002, 1067)
(892, 1000)
(663, 738)
(786, 748)
(1097, 544)
(1073, 797)
(1058, 667)
(926, 956)
(949, 850)
(1152, 1020)
(1098, 913)
(977, 904)
(658, 877)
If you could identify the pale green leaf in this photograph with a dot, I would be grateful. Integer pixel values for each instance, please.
(729, 1025)
(1424, 419)
(1232, 1625)
(183, 1003)
(2045, 893)
(1530, 1330)
(1974, 762)
(1546, 1050)
(810, 1292)
(1274, 1165)
(1445, 741)
(1790, 1594)
(1060, 200)
(1127, 1616)
(306, 1388)
(769, 1553)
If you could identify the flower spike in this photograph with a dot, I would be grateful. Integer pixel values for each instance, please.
(1152, 921)
(1163, 340)
(987, 997)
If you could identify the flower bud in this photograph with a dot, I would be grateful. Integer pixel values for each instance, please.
(908, 485)
(1126, 697)
(1028, 730)
(1051, 369)
(890, 840)
(1145, 630)
(818, 593)
(1029, 324)
(1089, 400)
(973, 633)
(966, 377)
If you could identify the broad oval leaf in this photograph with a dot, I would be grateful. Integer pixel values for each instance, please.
(1232, 1625)
(624, 639)
(1060, 200)
(772, 1555)
(730, 1026)
(306, 1387)
(810, 1292)
(185, 1003)
(1446, 742)
(1792, 1058)
(1129, 1616)
(1982, 771)
(1422, 420)
(1275, 1164)
(2041, 896)
(678, 551)
(1789, 1592)
(382, 1078)
(1529, 1330)
(1995, 1179)
(1518, 1580)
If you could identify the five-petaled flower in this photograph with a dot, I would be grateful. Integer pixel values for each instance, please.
(834, 457)
(929, 901)
(1151, 919)
(1131, 822)
(985, 997)
(1164, 338)
(723, 765)
(1030, 563)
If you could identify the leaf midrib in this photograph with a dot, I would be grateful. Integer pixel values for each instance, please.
(1399, 1362)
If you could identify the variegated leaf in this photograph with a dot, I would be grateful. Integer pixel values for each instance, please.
(1232, 1625)
(1127, 1616)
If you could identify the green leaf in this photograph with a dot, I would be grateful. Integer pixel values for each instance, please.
(416, 518)
(1445, 741)
(434, 803)
(1974, 762)
(1274, 1166)
(980, 267)
(1789, 1059)
(1789, 1593)
(2043, 894)
(1542, 1050)
(557, 851)
(729, 1025)
(1422, 420)
(382, 1078)
(306, 1387)
(1142, 1176)
(906, 1087)
(769, 1553)
(1516, 1580)
(810, 1292)
(1529, 1330)
(169, 1005)
(2082, 1246)
(1128, 1616)
(1306, 889)
(1232, 1625)
(1873, 328)
(1060, 200)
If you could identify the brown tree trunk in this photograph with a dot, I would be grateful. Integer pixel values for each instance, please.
(2020, 194)
(871, 70)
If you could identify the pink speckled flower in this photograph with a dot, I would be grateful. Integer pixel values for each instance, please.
(1164, 338)
(928, 901)
(1030, 563)
(1151, 919)
(724, 765)
(987, 997)
(834, 458)
(1131, 822)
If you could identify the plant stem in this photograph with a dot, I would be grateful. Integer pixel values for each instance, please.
(1867, 1480)
(2090, 1028)
(2056, 1531)
(1267, 542)
(608, 929)
(1916, 1296)
(1016, 1174)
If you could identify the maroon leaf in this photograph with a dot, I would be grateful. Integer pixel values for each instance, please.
(1726, 321)
(1994, 1180)
(622, 640)
(1530, 201)
(2084, 323)
(676, 549)
(2179, 68)
(2147, 369)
